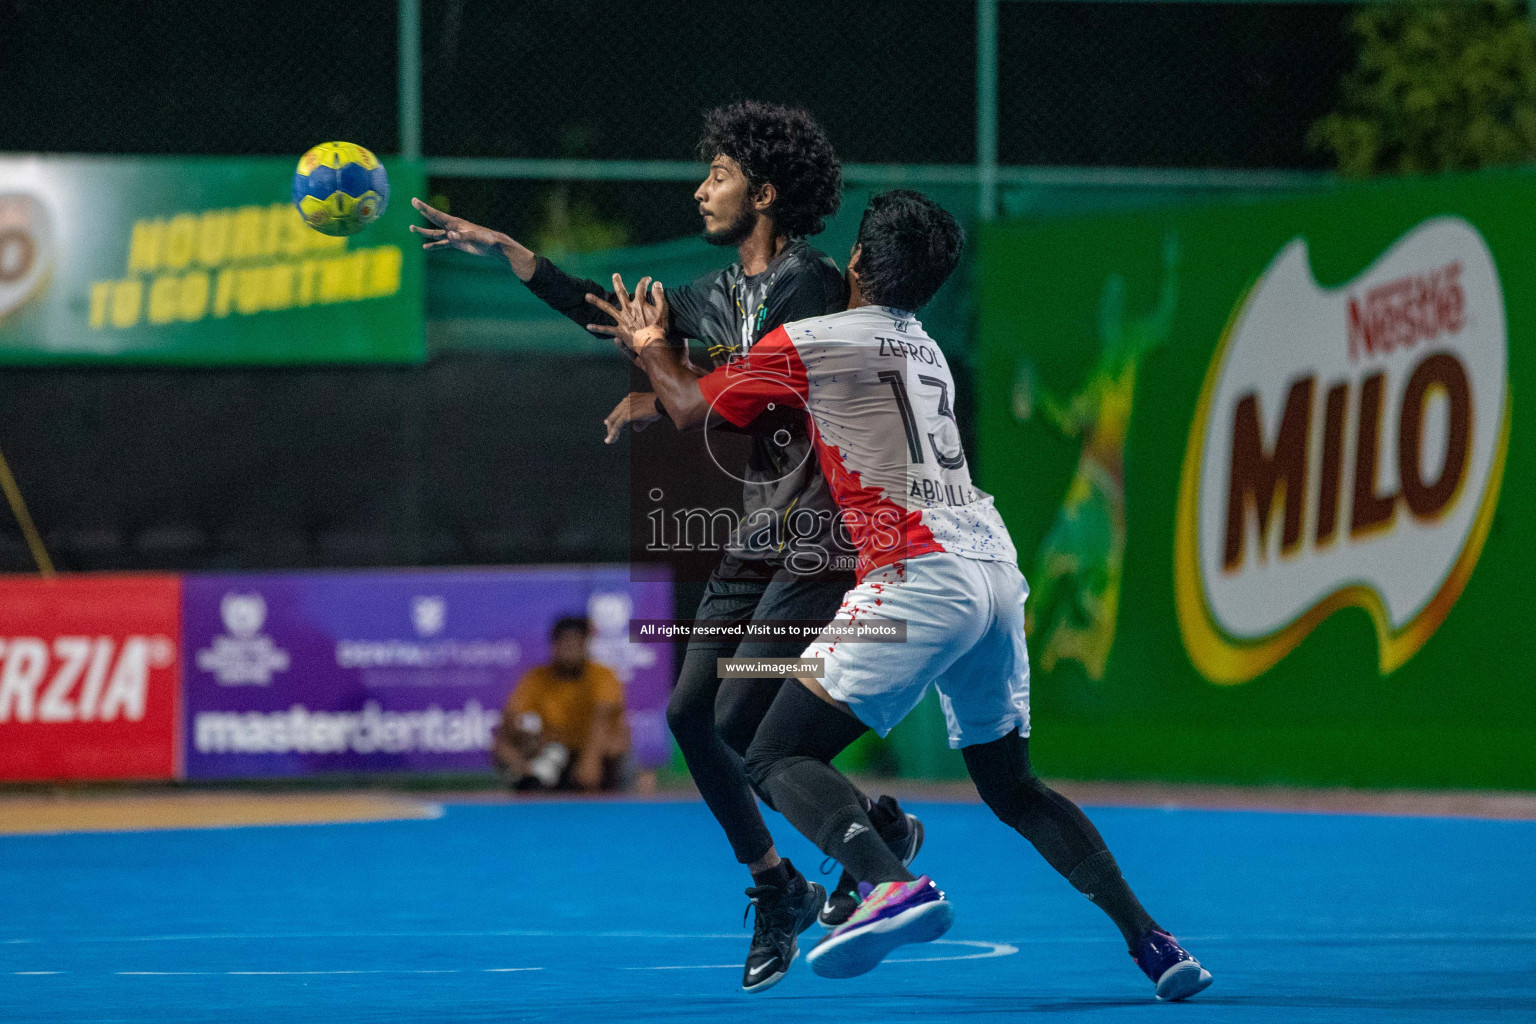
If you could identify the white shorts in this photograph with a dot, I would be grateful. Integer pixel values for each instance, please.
(965, 635)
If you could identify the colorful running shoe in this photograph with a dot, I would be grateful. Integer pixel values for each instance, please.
(1176, 974)
(903, 834)
(892, 914)
(782, 914)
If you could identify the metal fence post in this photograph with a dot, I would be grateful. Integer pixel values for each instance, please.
(986, 108)
(410, 79)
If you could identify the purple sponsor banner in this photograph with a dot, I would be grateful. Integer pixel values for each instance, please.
(299, 673)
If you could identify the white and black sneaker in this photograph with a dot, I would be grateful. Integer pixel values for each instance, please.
(782, 914)
(903, 835)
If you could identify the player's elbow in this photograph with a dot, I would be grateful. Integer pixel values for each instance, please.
(688, 415)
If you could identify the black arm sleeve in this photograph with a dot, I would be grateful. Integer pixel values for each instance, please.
(567, 295)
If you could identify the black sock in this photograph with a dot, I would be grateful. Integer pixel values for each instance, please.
(855, 842)
(824, 806)
(881, 814)
(1100, 880)
(780, 875)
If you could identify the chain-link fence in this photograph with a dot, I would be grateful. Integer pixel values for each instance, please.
(1101, 84)
(893, 82)
(531, 86)
(182, 76)
(1167, 84)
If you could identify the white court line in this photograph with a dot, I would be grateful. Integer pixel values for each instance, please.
(1368, 937)
(1034, 940)
(510, 933)
(266, 973)
(1362, 938)
(684, 967)
(263, 974)
(988, 949)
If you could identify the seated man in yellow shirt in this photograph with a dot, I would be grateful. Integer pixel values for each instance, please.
(563, 725)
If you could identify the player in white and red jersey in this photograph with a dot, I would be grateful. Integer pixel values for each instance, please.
(880, 397)
(933, 553)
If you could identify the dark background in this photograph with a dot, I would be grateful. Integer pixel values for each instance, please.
(482, 458)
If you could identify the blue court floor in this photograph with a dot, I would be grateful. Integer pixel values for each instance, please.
(632, 912)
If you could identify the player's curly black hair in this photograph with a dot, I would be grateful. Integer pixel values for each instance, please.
(783, 146)
(908, 245)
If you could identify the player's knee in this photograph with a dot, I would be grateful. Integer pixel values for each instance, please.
(1013, 799)
(1003, 801)
(1004, 779)
(689, 719)
(759, 765)
(735, 725)
(764, 760)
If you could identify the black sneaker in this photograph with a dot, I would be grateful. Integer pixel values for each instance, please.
(903, 835)
(782, 914)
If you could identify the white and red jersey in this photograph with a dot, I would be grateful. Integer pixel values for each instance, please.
(880, 399)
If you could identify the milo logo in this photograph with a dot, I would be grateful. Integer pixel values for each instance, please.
(1347, 451)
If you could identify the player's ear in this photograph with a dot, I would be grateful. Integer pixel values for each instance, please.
(763, 198)
(851, 276)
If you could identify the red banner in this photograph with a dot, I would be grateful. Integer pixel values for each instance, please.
(89, 677)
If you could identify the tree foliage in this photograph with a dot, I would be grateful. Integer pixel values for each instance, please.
(1439, 86)
(570, 223)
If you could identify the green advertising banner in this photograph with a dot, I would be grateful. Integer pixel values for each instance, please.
(197, 260)
(1264, 464)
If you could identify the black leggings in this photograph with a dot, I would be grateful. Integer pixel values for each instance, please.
(1052, 823)
(790, 764)
(802, 733)
(715, 721)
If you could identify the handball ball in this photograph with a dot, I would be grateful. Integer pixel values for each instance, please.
(340, 188)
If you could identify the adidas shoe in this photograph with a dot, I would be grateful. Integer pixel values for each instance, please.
(902, 832)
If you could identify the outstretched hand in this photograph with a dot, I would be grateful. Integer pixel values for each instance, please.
(647, 307)
(448, 230)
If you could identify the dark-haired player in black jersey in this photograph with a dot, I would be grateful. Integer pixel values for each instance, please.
(773, 180)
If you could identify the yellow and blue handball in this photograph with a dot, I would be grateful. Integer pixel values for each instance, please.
(340, 188)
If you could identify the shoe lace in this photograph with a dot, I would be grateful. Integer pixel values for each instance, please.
(761, 897)
(828, 864)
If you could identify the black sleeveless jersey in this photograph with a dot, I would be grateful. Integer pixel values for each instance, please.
(789, 517)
